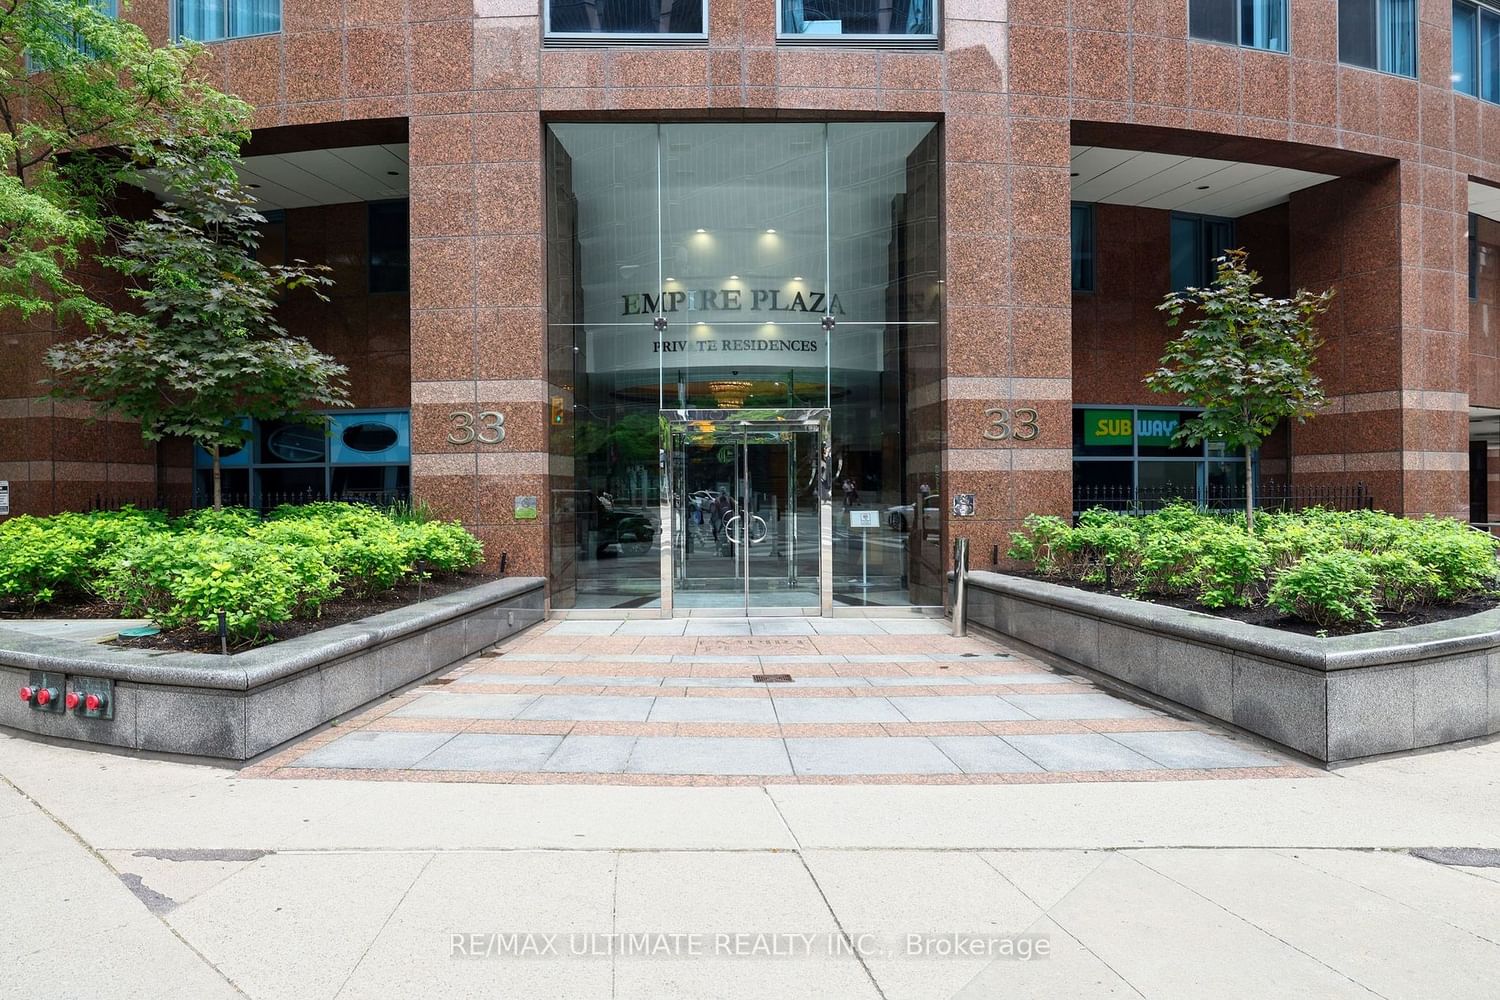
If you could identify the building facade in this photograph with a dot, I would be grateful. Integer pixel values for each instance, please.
(715, 304)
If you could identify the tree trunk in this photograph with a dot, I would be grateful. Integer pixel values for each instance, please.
(218, 482)
(1249, 494)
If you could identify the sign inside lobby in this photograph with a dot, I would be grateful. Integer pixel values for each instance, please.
(746, 346)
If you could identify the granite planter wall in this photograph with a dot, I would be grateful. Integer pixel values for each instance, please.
(239, 706)
(1333, 699)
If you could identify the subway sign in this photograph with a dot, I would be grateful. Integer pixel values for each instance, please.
(1149, 428)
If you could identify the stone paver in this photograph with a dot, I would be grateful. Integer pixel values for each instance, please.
(867, 755)
(859, 699)
(707, 755)
(489, 752)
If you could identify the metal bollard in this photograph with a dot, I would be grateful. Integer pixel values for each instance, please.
(960, 579)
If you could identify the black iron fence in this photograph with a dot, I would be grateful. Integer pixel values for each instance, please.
(181, 503)
(1268, 496)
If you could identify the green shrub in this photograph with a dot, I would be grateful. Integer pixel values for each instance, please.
(1401, 581)
(1463, 559)
(1229, 567)
(258, 572)
(1330, 589)
(228, 521)
(188, 578)
(442, 546)
(45, 558)
(1046, 542)
(1333, 568)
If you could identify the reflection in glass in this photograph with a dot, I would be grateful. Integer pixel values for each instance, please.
(625, 17)
(740, 238)
(858, 17)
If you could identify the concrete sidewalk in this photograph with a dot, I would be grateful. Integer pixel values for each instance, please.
(180, 880)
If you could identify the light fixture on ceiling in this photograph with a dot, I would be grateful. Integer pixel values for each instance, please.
(797, 277)
(730, 394)
(770, 232)
(1202, 187)
(734, 277)
(393, 173)
(700, 231)
(1073, 174)
(253, 187)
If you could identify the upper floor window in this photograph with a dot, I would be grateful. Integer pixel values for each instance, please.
(626, 18)
(1259, 24)
(1476, 50)
(857, 19)
(214, 20)
(72, 38)
(1379, 34)
(1198, 241)
(1083, 247)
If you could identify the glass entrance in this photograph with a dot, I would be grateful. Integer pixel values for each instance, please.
(748, 512)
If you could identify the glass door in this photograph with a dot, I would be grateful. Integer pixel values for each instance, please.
(748, 513)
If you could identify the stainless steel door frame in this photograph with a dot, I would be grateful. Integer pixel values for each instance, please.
(741, 424)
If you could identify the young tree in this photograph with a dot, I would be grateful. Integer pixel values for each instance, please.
(205, 347)
(85, 102)
(1245, 358)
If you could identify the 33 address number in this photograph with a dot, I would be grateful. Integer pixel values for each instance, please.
(486, 427)
(1019, 424)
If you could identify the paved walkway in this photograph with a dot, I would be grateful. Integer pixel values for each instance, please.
(724, 701)
(139, 879)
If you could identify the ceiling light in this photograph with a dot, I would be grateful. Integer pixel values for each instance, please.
(252, 186)
(1202, 187)
(770, 232)
(700, 229)
(1073, 174)
(393, 173)
(734, 277)
(797, 278)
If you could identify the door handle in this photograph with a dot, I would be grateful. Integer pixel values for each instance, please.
(756, 519)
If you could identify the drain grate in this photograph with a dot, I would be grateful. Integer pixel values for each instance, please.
(771, 678)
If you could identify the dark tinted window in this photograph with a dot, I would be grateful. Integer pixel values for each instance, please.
(820, 18)
(1357, 32)
(1213, 20)
(390, 251)
(1083, 248)
(625, 17)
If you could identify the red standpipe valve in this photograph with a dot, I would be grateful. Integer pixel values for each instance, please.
(71, 700)
(27, 693)
(45, 696)
(93, 703)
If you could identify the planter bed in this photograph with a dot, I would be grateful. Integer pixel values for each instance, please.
(239, 706)
(1331, 698)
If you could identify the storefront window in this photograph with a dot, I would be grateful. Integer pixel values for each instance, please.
(358, 456)
(1127, 457)
(739, 239)
(615, 19)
